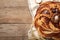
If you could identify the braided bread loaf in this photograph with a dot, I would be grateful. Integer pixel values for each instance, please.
(47, 19)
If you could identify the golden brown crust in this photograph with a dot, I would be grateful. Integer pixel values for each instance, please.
(42, 22)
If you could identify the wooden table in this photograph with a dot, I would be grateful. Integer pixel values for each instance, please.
(15, 19)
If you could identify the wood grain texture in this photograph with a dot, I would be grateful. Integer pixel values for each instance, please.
(12, 3)
(15, 19)
(11, 38)
(14, 11)
(14, 38)
(15, 15)
(14, 29)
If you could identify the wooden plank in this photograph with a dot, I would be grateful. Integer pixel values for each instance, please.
(15, 15)
(14, 29)
(11, 38)
(12, 3)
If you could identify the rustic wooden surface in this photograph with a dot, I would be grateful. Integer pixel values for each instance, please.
(15, 19)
